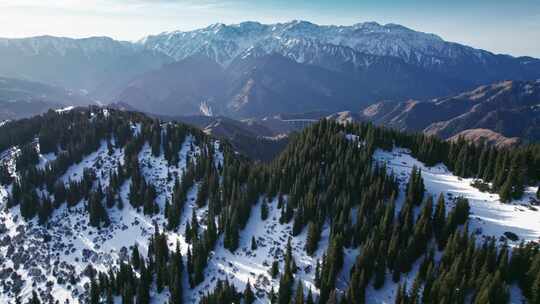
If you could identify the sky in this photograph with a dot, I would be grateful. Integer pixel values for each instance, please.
(509, 27)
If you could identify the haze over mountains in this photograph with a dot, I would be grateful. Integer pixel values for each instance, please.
(254, 70)
(20, 98)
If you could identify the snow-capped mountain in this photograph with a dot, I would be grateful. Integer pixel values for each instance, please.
(300, 67)
(97, 65)
(306, 42)
(224, 42)
(52, 46)
(260, 70)
(374, 61)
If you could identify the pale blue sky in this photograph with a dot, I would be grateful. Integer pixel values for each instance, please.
(511, 27)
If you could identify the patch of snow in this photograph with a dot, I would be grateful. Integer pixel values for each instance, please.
(489, 216)
(66, 109)
(245, 264)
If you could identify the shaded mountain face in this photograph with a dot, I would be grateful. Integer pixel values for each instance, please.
(509, 108)
(252, 87)
(258, 86)
(20, 98)
(97, 65)
(176, 89)
(252, 138)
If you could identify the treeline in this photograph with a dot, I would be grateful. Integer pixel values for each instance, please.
(508, 170)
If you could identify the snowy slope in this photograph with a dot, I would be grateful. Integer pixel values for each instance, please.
(53, 260)
(489, 217)
(302, 40)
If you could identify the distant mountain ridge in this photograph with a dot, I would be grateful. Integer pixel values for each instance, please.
(254, 70)
(509, 108)
(97, 65)
(357, 45)
(20, 98)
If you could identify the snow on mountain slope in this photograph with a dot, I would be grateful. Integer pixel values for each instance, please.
(489, 217)
(224, 42)
(246, 265)
(49, 45)
(53, 259)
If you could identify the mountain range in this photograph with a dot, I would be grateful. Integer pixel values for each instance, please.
(96, 65)
(510, 109)
(259, 71)
(300, 66)
(253, 69)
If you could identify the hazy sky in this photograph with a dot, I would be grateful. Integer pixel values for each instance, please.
(510, 26)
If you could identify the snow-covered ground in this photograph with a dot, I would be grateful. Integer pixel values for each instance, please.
(66, 109)
(31, 254)
(489, 216)
(254, 265)
(36, 256)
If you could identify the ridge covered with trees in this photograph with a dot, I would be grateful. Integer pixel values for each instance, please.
(322, 179)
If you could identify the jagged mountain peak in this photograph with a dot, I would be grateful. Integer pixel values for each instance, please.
(367, 37)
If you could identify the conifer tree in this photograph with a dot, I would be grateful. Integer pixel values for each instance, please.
(253, 243)
(274, 269)
(249, 297)
(313, 237)
(94, 292)
(135, 257)
(299, 294)
(34, 299)
(439, 220)
(264, 210)
(309, 299)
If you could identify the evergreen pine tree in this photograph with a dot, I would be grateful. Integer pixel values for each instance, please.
(135, 257)
(34, 299)
(94, 292)
(264, 210)
(299, 294)
(309, 299)
(253, 243)
(313, 236)
(249, 297)
(274, 270)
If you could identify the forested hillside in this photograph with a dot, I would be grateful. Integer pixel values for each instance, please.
(105, 206)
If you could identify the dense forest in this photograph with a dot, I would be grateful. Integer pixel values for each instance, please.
(321, 178)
